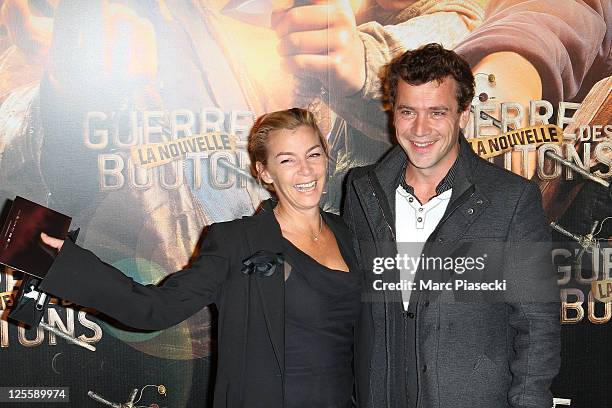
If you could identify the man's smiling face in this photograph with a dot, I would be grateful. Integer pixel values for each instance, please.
(427, 122)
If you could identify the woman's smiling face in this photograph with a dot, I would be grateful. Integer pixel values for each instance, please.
(296, 167)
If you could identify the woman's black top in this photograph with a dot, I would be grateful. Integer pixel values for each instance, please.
(321, 310)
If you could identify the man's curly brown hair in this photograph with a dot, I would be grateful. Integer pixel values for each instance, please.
(431, 62)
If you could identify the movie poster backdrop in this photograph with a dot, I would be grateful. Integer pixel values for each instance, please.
(132, 117)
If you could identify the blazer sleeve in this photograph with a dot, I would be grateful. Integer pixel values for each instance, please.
(534, 304)
(80, 276)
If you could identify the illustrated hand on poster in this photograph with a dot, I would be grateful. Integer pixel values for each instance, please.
(320, 39)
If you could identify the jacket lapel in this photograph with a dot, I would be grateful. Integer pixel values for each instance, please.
(388, 173)
(376, 193)
(266, 235)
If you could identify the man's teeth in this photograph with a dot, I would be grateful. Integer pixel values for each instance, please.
(423, 144)
(306, 186)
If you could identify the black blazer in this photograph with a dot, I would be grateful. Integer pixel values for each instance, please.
(251, 307)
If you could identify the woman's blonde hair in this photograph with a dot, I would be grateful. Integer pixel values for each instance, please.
(286, 119)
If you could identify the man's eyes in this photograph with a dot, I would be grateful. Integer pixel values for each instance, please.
(435, 114)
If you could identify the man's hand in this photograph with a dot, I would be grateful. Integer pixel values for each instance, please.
(321, 40)
(52, 242)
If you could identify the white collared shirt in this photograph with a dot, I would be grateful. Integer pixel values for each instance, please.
(414, 223)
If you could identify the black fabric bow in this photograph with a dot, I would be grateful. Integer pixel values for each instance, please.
(262, 263)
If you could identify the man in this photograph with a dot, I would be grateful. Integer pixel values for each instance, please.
(432, 347)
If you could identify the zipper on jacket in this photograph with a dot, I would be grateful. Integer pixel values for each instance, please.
(385, 300)
(382, 210)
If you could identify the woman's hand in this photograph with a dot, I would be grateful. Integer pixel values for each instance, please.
(52, 242)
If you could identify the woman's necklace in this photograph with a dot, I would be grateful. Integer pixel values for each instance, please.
(313, 236)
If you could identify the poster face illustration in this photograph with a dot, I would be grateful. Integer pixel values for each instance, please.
(132, 117)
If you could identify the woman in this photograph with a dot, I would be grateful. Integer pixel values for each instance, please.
(284, 280)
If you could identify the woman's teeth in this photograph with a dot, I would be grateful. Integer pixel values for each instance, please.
(306, 186)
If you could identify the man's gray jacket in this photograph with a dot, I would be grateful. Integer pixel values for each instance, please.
(457, 348)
